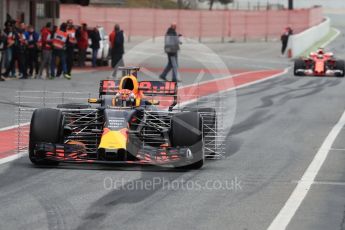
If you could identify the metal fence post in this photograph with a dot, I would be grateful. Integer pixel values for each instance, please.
(154, 25)
(266, 25)
(245, 26)
(200, 26)
(223, 25)
(130, 25)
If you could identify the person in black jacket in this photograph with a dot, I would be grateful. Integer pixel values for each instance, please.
(171, 47)
(31, 36)
(117, 49)
(285, 39)
(3, 46)
(95, 39)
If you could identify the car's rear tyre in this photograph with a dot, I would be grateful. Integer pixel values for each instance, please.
(186, 131)
(340, 65)
(46, 127)
(299, 64)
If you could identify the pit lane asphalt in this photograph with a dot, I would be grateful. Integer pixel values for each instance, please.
(279, 126)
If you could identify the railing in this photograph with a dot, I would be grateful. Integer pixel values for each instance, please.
(199, 24)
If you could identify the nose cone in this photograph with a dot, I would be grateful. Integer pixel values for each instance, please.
(114, 139)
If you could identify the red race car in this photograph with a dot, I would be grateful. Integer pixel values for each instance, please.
(319, 63)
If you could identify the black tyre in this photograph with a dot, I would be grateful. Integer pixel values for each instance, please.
(340, 65)
(209, 116)
(186, 131)
(46, 127)
(299, 64)
(74, 106)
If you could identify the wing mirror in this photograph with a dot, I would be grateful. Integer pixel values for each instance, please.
(94, 100)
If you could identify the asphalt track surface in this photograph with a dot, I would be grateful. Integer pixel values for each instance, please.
(279, 126)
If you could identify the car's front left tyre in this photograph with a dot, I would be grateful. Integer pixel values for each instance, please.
(46, 127)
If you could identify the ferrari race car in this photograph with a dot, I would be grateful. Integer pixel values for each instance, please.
(126, 124)
(319, 64)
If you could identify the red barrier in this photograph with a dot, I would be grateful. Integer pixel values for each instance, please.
(232, 24)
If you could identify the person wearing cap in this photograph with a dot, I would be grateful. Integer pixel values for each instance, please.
(116, 39)
(171, 48)
(18, 44)
(83, 43)
(45, 43)
(32, 37)
(59, 45)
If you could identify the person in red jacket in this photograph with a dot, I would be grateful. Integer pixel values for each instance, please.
(45, 43)
(59, 51)
(83, 43)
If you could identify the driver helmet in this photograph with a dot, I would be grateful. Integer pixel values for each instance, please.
(124, 98)
(320, 51)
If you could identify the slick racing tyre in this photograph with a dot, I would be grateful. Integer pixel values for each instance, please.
(299, 64)
(46, 127)
(186, 131)
(340, 65)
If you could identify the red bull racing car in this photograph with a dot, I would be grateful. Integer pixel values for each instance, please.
(319, 64)
(125, 124)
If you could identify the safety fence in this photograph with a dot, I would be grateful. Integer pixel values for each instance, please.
(199, 24)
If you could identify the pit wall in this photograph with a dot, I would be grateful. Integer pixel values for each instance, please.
(302, 41)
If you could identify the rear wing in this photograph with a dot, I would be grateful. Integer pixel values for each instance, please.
(148, 88)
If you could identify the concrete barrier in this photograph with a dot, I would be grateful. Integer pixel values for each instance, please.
(300, 42)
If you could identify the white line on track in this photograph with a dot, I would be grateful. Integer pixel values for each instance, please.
(288, 211)
(21, 154)
(13, 126)
(12, 157)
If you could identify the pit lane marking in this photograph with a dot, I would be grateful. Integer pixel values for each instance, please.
(288, 211)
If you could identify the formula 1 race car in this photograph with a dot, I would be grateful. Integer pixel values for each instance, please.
(319, 64)
(125, 124)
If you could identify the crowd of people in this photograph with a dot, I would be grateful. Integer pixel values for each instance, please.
(26, 53)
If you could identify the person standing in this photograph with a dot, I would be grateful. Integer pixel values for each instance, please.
(285, 39)
(3, 44)
(17, 42)
(83, 43)
(32, 37)
(59, 44)
(171, 47)
(95, 40)
(10, 35)
(46, 46)
(70, 46)
(116, 39)
(20, 52)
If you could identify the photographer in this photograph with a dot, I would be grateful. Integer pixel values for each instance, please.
(171, 47)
